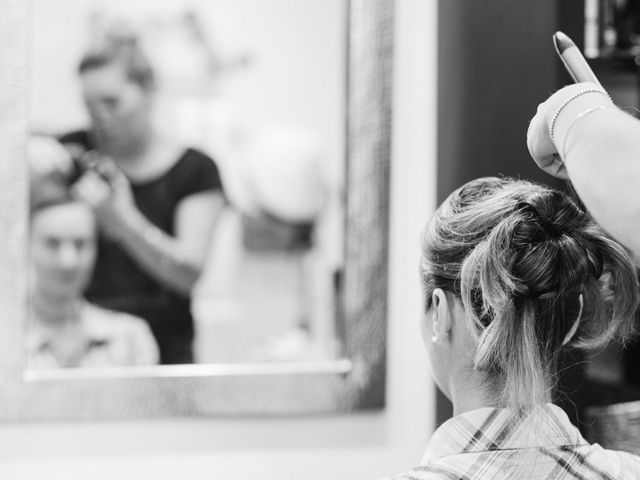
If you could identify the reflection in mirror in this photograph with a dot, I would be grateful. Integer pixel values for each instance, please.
(268, 100)
(64, 329)
(187, 176)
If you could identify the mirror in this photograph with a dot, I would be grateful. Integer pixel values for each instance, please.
(249, 108)
(188, 105)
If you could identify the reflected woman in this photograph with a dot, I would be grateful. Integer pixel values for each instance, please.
(155, 200)
(513, 273)
(64, 329)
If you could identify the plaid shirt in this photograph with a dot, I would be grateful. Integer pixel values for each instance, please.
(487, 444)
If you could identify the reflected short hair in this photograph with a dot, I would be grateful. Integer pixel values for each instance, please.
(123, 49)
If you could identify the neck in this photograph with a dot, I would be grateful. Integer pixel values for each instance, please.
(159, 155)
(55, 312)
(136, 151)
(469, 392)
(130, 152)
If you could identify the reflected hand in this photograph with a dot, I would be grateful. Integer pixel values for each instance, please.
(108, 192)
(543, 150)
(47, 156)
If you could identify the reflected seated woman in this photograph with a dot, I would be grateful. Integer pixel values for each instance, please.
(513, 273)
(64, 329)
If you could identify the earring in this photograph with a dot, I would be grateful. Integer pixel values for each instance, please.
(436, 339)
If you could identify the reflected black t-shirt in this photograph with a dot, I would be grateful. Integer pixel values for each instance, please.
(120, 284)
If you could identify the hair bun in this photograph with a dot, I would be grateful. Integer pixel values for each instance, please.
(554, 211)
(553, 254)
(112, 29)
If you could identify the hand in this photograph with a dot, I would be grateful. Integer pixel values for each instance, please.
(47, 156)
(544, 152)
(108, 192)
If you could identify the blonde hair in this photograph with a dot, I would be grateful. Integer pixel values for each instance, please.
(519, 255)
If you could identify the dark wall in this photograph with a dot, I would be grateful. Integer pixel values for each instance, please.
(496, 63)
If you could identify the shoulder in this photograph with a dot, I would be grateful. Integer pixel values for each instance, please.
(129, 337)
(194, 160)
(620, 465)
(454, 467)
(629, 465)
(424, 473)
(192, 154)
(112, 323)
(195, 171)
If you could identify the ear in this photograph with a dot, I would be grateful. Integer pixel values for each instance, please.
(441, 320)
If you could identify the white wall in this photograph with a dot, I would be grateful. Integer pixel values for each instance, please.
(263, 80)
(264, 91)
(364, 446)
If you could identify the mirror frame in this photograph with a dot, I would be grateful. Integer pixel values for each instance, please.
(356, 381)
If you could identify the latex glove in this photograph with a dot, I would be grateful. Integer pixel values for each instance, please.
(543, 150)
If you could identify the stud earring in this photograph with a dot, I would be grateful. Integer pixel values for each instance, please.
(436, 339)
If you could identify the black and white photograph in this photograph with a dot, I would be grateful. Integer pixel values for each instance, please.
(320, 239)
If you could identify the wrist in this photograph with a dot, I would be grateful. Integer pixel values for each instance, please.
(140, 227)
(566, 144)
(567, 112)
(127, 224)
(148, 237)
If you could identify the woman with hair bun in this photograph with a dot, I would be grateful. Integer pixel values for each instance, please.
(513, 273)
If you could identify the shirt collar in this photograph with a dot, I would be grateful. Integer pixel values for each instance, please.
(39, 336)
(490, 429)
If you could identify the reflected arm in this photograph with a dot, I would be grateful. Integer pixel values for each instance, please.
(173, 261)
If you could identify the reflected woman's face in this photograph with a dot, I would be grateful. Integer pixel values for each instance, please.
(63, 249)
(119, 108)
